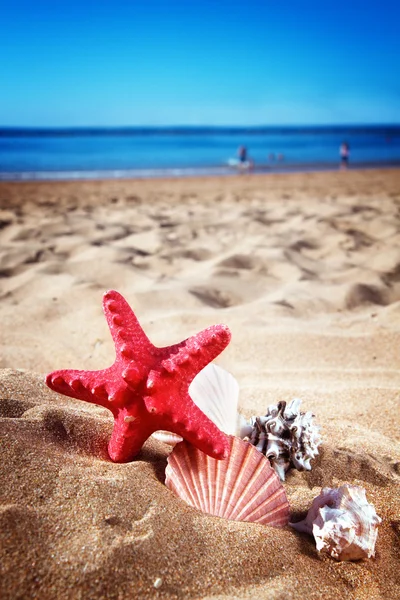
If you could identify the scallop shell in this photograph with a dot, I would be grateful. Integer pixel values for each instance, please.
(287, 437)
(343, 523)
(216, 393)
(243, 487)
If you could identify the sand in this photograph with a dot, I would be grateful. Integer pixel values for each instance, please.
(305, 271)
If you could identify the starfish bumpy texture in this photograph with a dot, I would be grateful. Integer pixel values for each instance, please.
(146, 388)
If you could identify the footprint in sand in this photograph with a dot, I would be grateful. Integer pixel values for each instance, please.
(392, 276)
(309, 268)
(241, 261)
(300, 245)
(7, 217)
(67, 428)
(109, 234)
(351, 465)
(133, 200)
(368, 212)
(196, 254)
(147, 242)
(135, 257)
(264, 219)
(393, 465)
(357, 240)
(396, 528)
(215, 297)
(361, 294)
(14, 409)
(14, 261)
(133, 532)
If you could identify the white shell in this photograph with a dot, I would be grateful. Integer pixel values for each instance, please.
(243, 487)
(343, 523)
(167, 437)
(216, 393)
(286, 436)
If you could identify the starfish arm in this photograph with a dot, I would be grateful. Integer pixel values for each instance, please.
(195, 427)
(132, 345)
(172, 409)
(133, 426)
(129, 434)
(203, 347)
(97, 387)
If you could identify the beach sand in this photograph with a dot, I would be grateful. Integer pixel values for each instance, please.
(305, 271)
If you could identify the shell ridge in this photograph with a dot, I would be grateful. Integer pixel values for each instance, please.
(240, 509)
(243, 457)
(185, 471)
(197, 478)
(272, 491)
(216, 487)
(230, 470)
(280, 510)
(247, 508)
(277, 518)
(241, 462)
(211, 468)
(176, 484)
(203, 469)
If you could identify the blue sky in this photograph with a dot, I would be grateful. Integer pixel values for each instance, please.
(199, 62)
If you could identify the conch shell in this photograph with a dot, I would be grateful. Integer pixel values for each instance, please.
(286, 436)
(343, 523)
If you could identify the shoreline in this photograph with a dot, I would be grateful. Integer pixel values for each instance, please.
(185, 173)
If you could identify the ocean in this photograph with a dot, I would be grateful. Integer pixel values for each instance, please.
(86, 153)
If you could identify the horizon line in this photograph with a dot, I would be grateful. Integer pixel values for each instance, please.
(169, 128)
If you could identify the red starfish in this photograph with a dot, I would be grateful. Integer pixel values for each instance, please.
(146, 388)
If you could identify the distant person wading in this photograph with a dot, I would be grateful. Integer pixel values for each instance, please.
(242, 154)
(344, 155)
